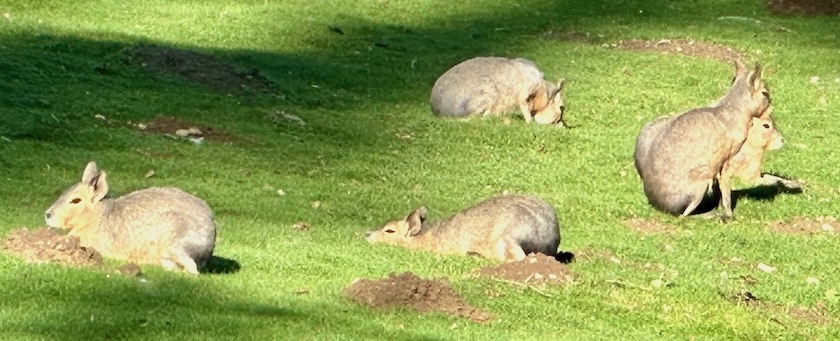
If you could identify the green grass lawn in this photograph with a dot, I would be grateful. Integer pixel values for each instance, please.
(371, 151)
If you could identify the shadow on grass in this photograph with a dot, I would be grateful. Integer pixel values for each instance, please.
(52, 82)
(764, 192)
(220, 265)
(81, 305)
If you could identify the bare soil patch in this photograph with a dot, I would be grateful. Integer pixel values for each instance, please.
(804, 225)
(199, 68)
(648, 226)
(536, 268)
(48, 246)
(409, 290)
(803, 7)
(173, 126)
(576, 36)
(684, 47)
(816, 315)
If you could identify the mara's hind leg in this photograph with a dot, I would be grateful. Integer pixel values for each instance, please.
(179, 263)
(725, 197)
(507, 250)
(700, 189)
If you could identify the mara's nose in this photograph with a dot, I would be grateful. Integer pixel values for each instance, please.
(368, 233)
(47, 215)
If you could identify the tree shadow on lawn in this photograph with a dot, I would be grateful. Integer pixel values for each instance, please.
(86, 306)
(52, 79)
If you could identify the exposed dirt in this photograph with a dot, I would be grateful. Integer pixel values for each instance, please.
(408, 290)
(47, 245)
(680, 46)
(200, 68)
(171, 125)
(816, 315)
(804, 225)
(804, 7)
(648, 226)
(536, 268)
(576, 36)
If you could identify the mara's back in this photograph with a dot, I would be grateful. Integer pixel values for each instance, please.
(148, 222)
(527, 220)
(492, 85)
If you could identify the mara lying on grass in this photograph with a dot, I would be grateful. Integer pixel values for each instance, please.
(506, 227)
(160, 225)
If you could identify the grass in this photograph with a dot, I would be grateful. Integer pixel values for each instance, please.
(361, 93)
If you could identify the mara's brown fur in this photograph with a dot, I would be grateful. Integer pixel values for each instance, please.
(506, 227)
(490, 86)
(681, 162)
(161, 225)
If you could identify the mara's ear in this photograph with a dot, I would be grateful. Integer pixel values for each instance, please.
(90, 172)
(415, 221)
(100, 186)
(755, 77)
(558, 92)
(740, 69)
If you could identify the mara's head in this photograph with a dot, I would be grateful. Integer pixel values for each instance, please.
(399, 232)
(748, 93)
(547, 105)
(76, 206)
(763, 133)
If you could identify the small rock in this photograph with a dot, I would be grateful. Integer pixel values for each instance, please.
(149, 174)
(552, 276)
(532, 260)
(815, 79)
(141, 126)
(827, 227)
(99, 116)
(812, 280)
(315, 204)
(823, 101)
(281, 192)
(615, 260)
(766, 268)
(538, 276)
(656, 283)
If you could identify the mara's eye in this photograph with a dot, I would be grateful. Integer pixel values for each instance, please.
(765, 93)
(390, 231)
(75, 201)
(766, 126)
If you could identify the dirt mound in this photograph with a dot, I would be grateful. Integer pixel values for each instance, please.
(408, 290)
(47, 245)
(174, 126)
(803, 225)
(200, 68)
(804, 7)
(685, 47)
(536, 268)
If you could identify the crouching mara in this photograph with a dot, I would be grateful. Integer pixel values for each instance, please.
(680, 158)
(160, 225)
(505, 227)
(494, 86)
